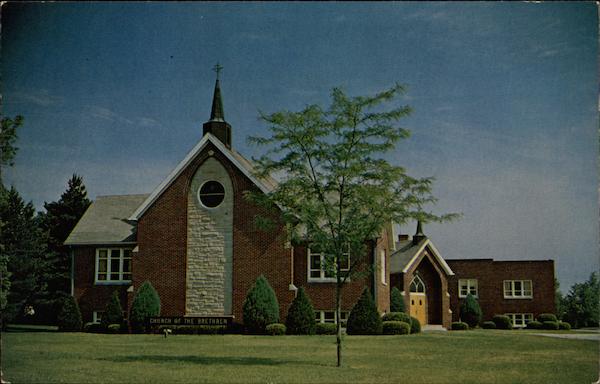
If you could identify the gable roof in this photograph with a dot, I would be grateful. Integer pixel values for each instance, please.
(106, 221)
(244, 165)
(407, 253)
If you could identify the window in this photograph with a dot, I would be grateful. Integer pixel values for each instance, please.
(466, 286)
(417, 285)
(211, 194)
(520, 320)
(113, 265)
(518, 289)
(382, 266)
(97, 316)
(316, 266)
(330, 317)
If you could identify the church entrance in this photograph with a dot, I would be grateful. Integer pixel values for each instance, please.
(418, 300)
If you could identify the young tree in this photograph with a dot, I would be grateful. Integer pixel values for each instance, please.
(470, 311)
(300, 319)
(113, 312)
(260, 307)
(337, 191)
(69, 317)
(396, 300)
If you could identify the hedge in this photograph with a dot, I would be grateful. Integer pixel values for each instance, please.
(276, 329)
(563, 325)
(502, 322)
(364, 318)
(300, 319)
(193, 329)
(415, 325)
(113, 328)
(92, 328)
(396, 328)
(550, 325)
(459, 326)
(260, 307)
(325, 329)
(534, 325)
(543, 317)
(488, 325)
(396, 316)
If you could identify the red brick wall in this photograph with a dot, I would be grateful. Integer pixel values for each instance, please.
(490, 276)
(89, 296)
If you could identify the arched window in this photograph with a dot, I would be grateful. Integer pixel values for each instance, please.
(417, 285)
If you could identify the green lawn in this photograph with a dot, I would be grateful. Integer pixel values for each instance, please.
(480, 356)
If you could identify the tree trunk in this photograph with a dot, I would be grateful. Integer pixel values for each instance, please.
(338, 312)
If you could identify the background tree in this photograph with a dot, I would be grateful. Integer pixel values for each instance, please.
(559, 301)
(470, 311)
(260, 307)
(582, 303)
(300, 318)
(337, 191)
(396, 300)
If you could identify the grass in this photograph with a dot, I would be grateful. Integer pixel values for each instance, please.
(480, 356)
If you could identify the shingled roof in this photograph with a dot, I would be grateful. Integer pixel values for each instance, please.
(106, 221)
(407, 252)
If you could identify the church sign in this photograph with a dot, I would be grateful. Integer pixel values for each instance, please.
(196, 320)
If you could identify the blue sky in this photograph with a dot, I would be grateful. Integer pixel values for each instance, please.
(505, 99)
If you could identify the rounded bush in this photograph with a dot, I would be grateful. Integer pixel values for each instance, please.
(260, 307)
(459, 326)
(543, 317)
(470, 311)
(92, 327)
(69, 317)
(300, 319)
(276, 329)
(113, 313)
(415, 325)
(534, 325)
(396, 328)
(563, 325)
(364, 318)
(550, 325)
(325, 329)
(396, 316)
(146, 303)
(502, 322)
(396, 301)
(488, 325)
(113, 328)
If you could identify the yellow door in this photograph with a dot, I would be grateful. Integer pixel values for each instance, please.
(418, 307)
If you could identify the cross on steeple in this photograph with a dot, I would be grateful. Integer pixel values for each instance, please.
(218, 68)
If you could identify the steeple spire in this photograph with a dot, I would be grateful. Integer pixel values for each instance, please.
(217, 124)
(419, 234)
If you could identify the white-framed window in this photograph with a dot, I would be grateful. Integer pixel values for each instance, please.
(382, 268)
(330, 317)
(316, 264)
(520, 320)
(97, 316)
(466, 286)
(417, 285)
(518, 289)
(113, 266)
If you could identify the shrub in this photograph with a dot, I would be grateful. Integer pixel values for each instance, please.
(396, 328)
(502, 322)
(195, 329)
(534, 325)
(113, 328)
(470, 311)
(396, 301)
(276, 329)
(69, 317)
(325, 329)
(543, 317)
(301, 316)
(260, 307)
(396, 316)
(113, 313)
(364, 318)
(92, 328)
(459, 326)
(563, 325)
(415, 325)
(488, 325)
(146, 303)
(551, 325)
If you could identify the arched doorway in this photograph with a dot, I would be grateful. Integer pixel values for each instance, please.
(418, 300)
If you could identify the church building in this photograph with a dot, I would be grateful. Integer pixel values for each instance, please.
(195, 240)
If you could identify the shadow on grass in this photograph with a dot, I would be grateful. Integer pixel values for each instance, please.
(203, 360)
(30, 328)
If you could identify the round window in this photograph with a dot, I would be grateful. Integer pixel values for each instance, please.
(211, 194)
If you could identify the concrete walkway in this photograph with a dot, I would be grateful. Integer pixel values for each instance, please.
(580, 336)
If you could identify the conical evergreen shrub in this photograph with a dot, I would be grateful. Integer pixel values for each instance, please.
(113, 312)
(470, 311)
(396, 301)
(69, 317)
(364, 318)
(260, 307)
(301, 315)
(146, 303)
